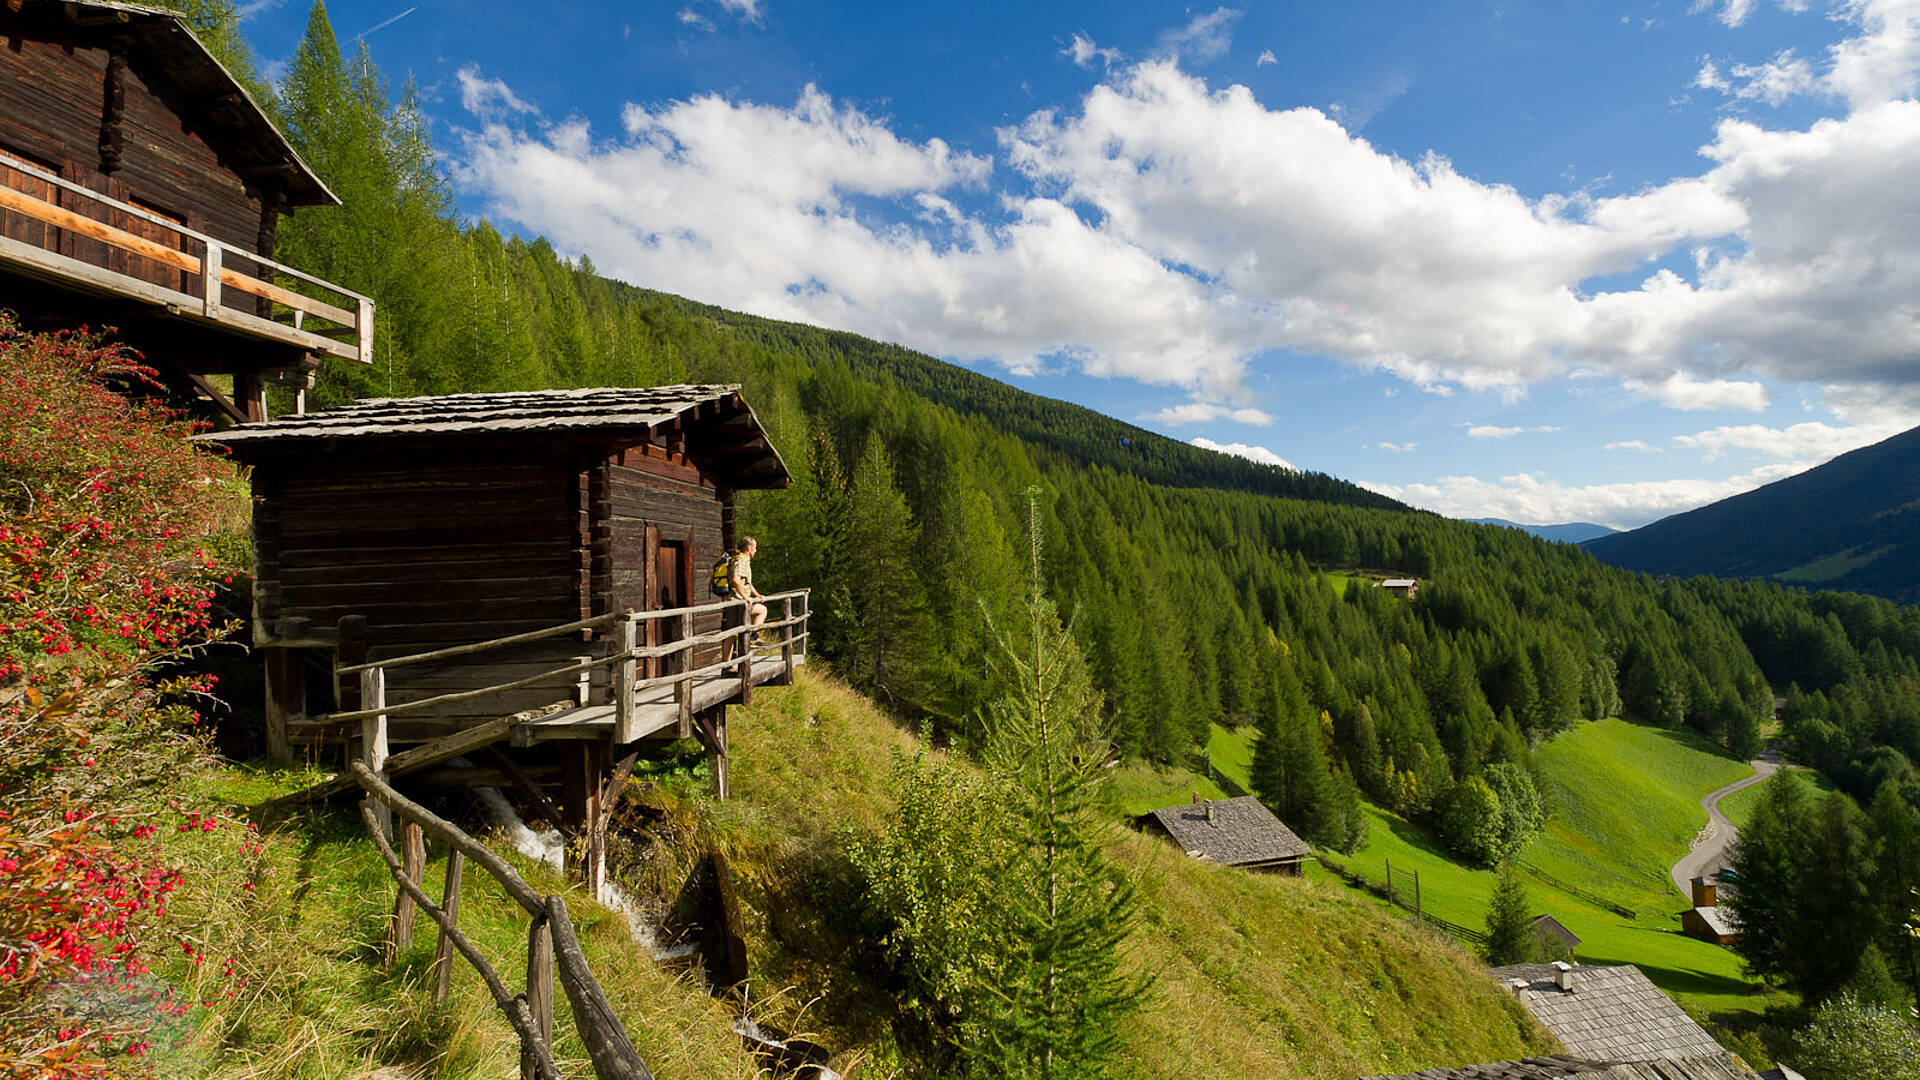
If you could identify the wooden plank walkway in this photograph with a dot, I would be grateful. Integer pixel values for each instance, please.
(654, 707)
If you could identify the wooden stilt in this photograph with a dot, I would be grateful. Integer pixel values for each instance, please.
(582, 785)
(449, 903)
(286, 699)
(539, 989)
(413, 864)
(713, 735)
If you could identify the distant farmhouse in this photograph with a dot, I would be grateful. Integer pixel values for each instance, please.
(1707, 920)
(1232, 832)
(1404, 587)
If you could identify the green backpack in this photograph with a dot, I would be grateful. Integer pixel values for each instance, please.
(722, 577)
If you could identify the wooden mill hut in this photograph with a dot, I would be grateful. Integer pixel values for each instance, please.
(142, 187)
(469, 563)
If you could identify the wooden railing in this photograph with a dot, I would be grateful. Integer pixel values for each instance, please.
(342, 326)
(551, 941)
(625, 685)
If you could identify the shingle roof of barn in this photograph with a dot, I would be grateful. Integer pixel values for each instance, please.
(1720, 920)
(1242, 831)
(733, 428)
(1611, 1014)
(1715, 1067)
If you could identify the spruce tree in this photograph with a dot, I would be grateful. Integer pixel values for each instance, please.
(1056, 1011)
(1510, 939)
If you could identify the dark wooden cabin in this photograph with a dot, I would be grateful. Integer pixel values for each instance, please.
(142, 187)
(394, 528)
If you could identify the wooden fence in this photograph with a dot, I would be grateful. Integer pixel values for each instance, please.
(1394, 889)
(551, 941)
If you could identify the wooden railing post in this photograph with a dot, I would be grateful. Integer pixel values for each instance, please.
(683, 689)
(539, 989)
(413, 864)
(746, 655)
(373, 732)
(786, 640)
(210, 280)
(626, 640)
(364, 323)
(449, 903)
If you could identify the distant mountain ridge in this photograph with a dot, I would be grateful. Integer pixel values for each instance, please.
(1852, 524)
(1573, 532)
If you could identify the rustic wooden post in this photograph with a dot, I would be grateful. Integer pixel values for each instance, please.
(786, 641)
(583, 682)
(443, 952)
(373, 733)
(746, 653)
(539, 989)
(623, 678)
(683, 689)
(414, 864)
(713, 735)
(210, 283)
(286, 699)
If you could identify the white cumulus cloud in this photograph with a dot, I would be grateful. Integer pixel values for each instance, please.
(1177, 232)
(1252, 453)
(1200, 412)
(1528, 497)
(1083, 52)
(1492, 431)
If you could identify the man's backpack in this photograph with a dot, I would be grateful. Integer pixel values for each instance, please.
(722, 577)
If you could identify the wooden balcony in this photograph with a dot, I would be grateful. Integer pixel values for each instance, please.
(133, 260)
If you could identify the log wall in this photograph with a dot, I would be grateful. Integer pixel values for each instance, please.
(434, 553)
(648, 488)
(54, 103)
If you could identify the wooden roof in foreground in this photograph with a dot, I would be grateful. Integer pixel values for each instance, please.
(1611, 1014)
(1243, 832)
(178, 65)
(1559, 1066)
(721, 431)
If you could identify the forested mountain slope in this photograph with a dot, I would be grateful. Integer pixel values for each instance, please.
(1197, 595)
(1852, 524)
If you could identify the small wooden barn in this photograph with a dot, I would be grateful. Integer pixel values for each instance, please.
(142, 187)
(1233, 832)
(1555, 940)
(516, 577)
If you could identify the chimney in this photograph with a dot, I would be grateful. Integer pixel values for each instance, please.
(1517, 985)
(1563, 975)
(1705, 892)
(1209, 811)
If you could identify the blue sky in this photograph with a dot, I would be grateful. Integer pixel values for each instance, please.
(1541, 261)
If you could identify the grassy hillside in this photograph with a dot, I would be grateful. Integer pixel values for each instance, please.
(285, 925)
(1292, 977)
(1624, 804)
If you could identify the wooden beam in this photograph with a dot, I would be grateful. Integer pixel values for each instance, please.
(286, 699)
(400, 935)
(528, 790)
(220, 400)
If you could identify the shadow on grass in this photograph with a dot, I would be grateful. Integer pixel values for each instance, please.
(1420, 839)
(1676, 980)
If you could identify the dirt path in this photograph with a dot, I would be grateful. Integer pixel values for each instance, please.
(1709, 852)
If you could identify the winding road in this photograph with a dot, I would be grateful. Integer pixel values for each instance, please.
(1710, 854)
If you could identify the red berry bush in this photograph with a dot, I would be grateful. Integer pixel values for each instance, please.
(108, 520)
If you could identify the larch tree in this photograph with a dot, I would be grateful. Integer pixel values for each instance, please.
(1057, 1011)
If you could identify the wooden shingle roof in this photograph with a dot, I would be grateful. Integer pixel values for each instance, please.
(1242, 832)
(1720, 920)
(1716, 1067)
(720, 428)
(1611, 1014)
